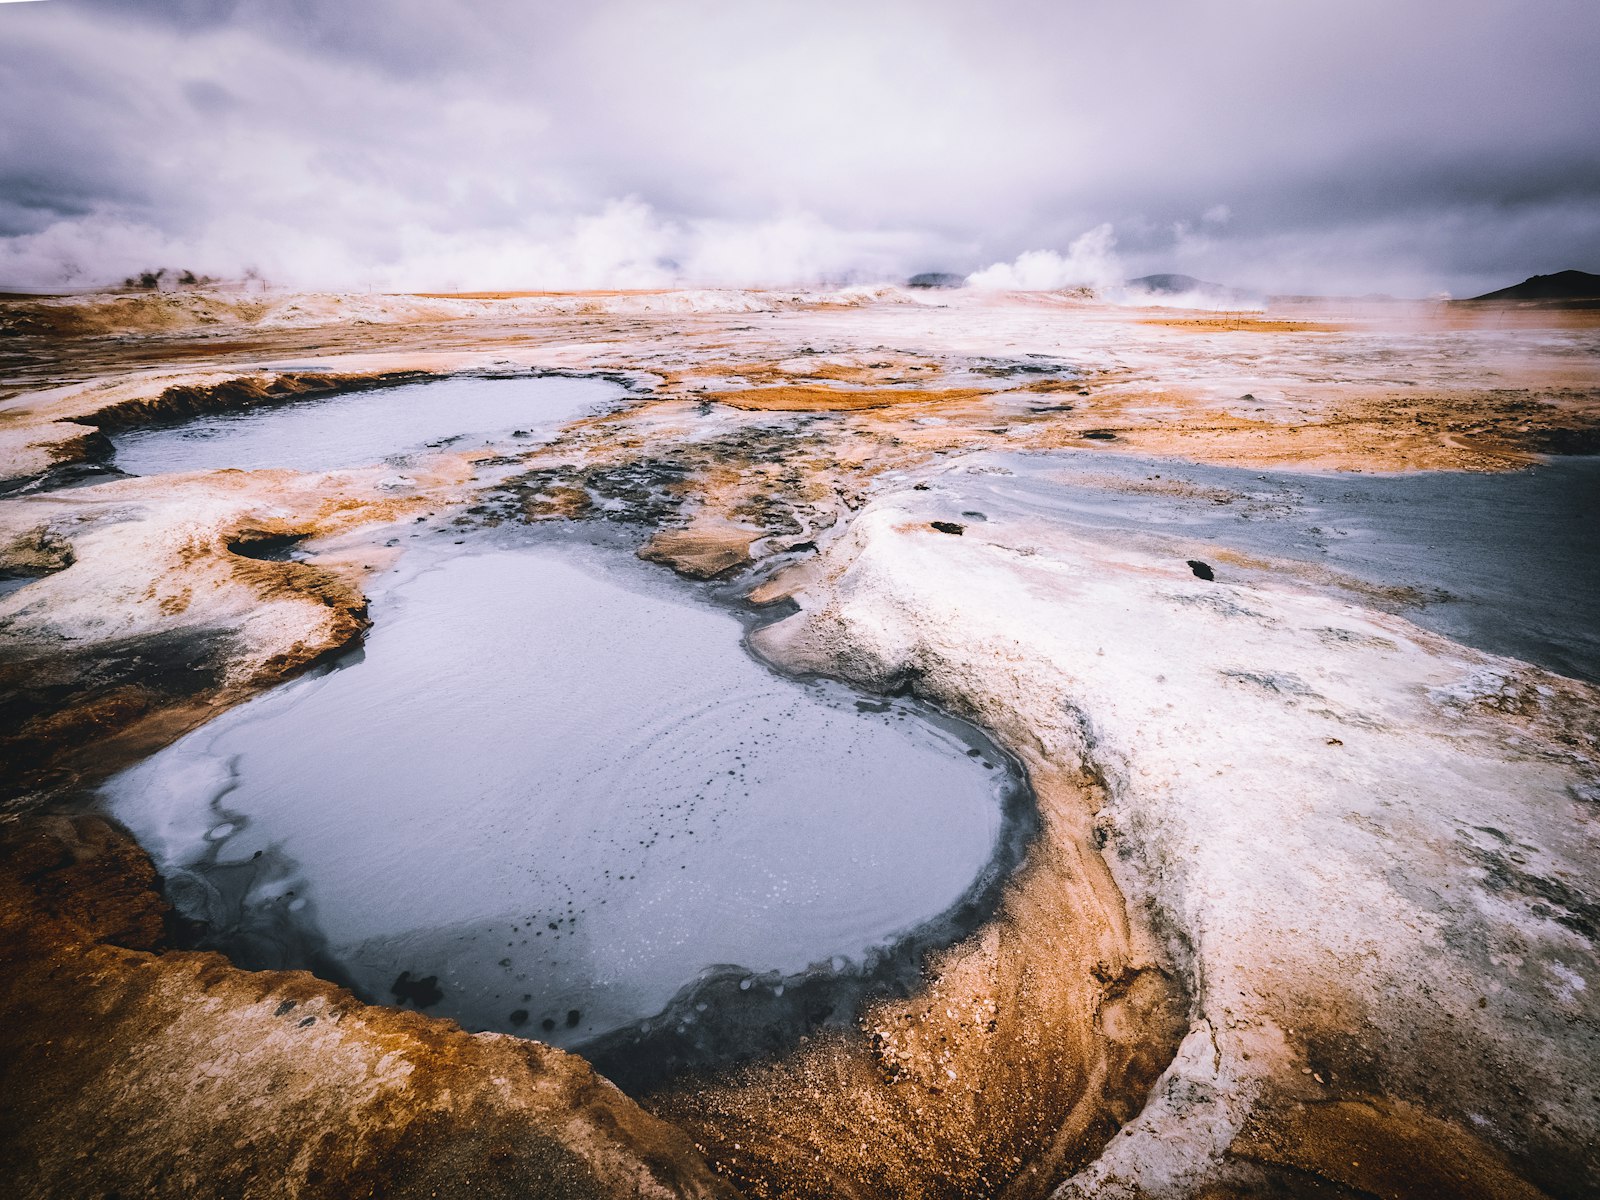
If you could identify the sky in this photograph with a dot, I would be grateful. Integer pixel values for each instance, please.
(1408, 147)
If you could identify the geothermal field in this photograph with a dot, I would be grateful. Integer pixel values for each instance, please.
(863, 742)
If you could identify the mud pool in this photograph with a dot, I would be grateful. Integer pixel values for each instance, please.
(553, 790)
(359, 428)
(1508, 563)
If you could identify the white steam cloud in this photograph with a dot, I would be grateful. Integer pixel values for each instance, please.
(626, 244)
(1091, 261)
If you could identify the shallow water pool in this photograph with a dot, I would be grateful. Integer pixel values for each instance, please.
(554, 791)
(360, 428)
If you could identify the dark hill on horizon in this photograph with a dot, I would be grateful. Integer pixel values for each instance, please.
(1167, 284)
(1563, 285)
(1174, 285)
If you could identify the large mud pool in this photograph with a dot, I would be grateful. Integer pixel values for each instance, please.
(353, 429)
(554, 792)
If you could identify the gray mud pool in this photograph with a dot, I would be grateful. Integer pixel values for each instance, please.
(360, 428)
(555, 796)
(1508, 562)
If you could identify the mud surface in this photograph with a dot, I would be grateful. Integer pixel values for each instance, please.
(1310, 906)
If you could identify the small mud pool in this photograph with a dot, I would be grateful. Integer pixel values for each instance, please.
(554, 791)
(359, 428)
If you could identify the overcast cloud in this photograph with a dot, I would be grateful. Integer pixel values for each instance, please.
(1406, 146)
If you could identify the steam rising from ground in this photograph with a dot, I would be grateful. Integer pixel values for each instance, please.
(625, 244)
(1089, 262)
(403, 144)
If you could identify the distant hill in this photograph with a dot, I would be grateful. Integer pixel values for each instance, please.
(936, 279)
(1189, 286)
(1173, 285)
(1563, 285)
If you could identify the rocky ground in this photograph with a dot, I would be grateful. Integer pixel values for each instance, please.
(1313, 906)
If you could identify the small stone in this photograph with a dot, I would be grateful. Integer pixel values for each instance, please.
(948, 527)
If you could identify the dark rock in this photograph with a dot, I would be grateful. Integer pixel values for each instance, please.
(948, 527)
(424, 992)
(1201, 570)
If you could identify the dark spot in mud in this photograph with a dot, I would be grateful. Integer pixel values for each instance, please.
(1050, 408)
(976, 516)
(1280, 683)
(1100, 435)
(548, 1024)
(424, 992)
(1201, 570)
(286, 1007)
(573, 1017)
(308, 1022)
(1028, 364)
(919, 487)
(518, 1017)
(948, 527)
